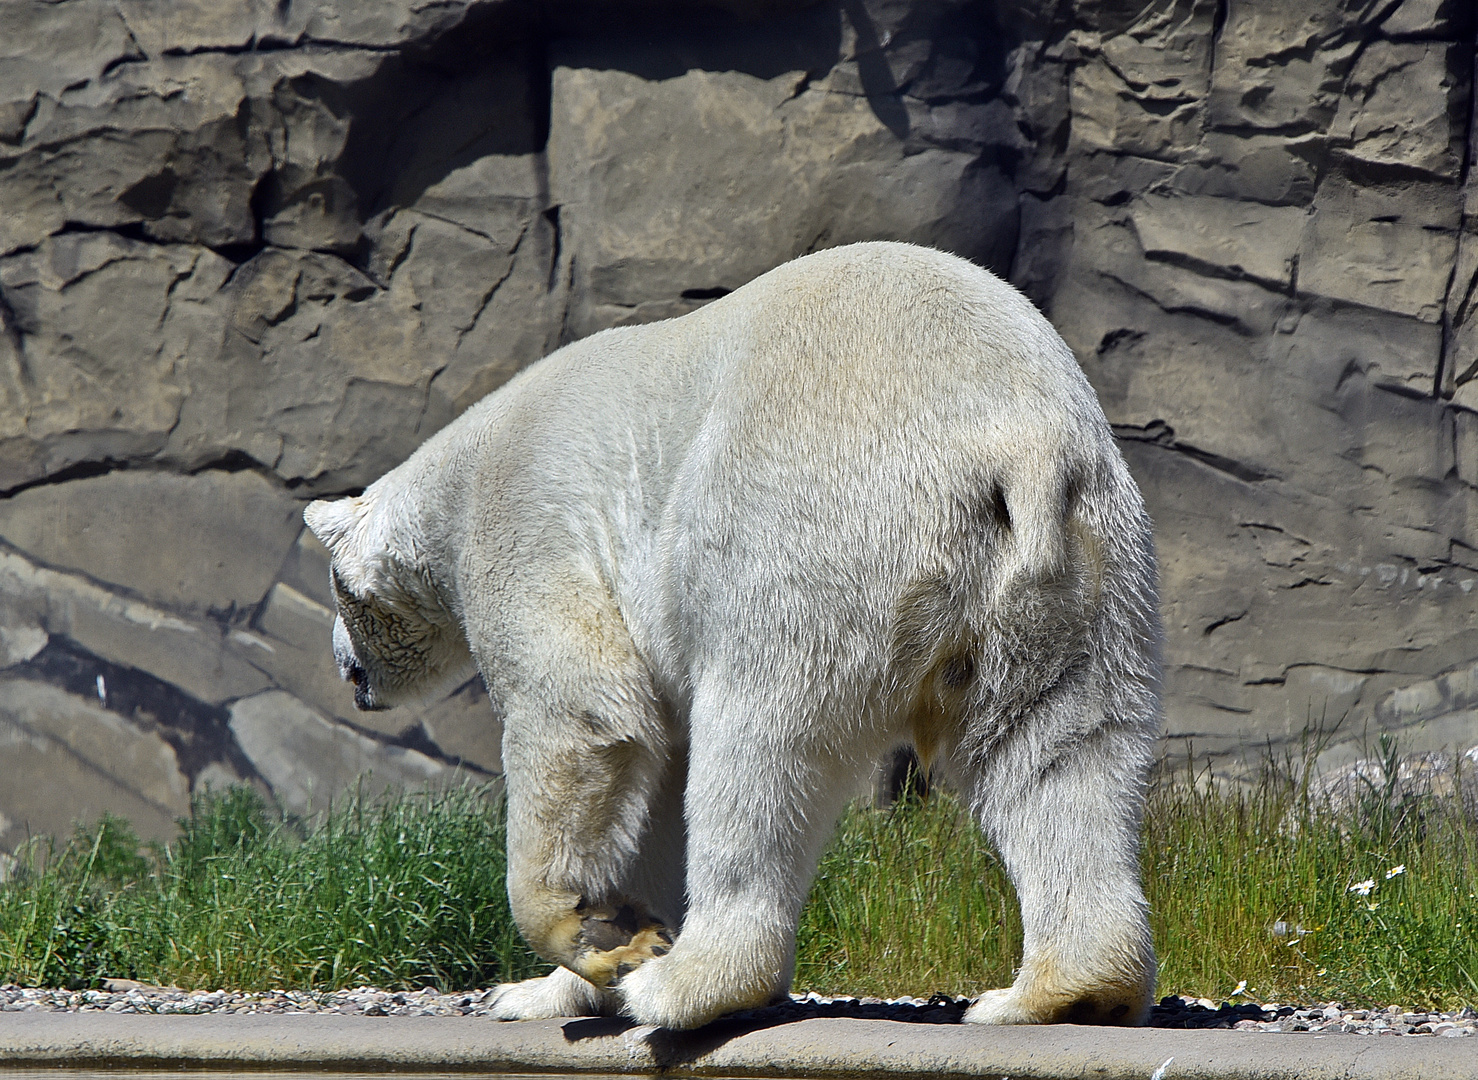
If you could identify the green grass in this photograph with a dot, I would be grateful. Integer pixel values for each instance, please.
(407, 893)
(1247, 884)
(908, 901)
(1223, 868)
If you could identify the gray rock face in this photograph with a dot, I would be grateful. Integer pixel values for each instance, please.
(1276, 309)
(255, 253)
(218, 545)
(68, 758)
(307, 760)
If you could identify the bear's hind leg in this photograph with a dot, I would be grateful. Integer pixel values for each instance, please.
(763, 793)
(1067, 826)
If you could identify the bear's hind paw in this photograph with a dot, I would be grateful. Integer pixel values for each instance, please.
(1011, 1006)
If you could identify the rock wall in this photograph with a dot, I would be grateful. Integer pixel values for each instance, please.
(253, 253)
(1265, 253)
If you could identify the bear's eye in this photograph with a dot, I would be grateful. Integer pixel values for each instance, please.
(341, 594)
(351, 608)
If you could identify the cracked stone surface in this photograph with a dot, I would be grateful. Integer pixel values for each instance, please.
(255, 253)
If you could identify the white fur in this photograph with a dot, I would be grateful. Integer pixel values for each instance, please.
(561, 993)
(712, 568)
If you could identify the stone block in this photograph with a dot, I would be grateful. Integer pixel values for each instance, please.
(1143, 91)
(1465, 437)
(1133, 322)
(1282, 67)
(291, 617)
(199, 25)
(1382, 249)
(1426, 17)
(131, 756)
(306, 570)
(1405, 107)
(1220, 691)
(212, 541)
(1234, 237)
(1042, 248)
(20, 643)
(771, 163)
(1262, 168)
(1411, 703)
(295, 648)
(308, 761)
(375, 24)
(64, 759)
(1344, 353)
(1460, 364)
(1466, 396)
(1454, 731)
(1321, 699)
(190, 655)
(45, 49)
(134, 149)
(47, 791)
(325, 374)
(1452, 692)
(191, 26)
(465, 726)
(106, 328)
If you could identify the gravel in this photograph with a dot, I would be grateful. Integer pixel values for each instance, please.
(124, 996)
(1329, 1018)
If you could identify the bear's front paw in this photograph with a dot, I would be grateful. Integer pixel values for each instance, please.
(560, 993)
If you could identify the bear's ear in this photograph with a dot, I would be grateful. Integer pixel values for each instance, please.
(332, 521)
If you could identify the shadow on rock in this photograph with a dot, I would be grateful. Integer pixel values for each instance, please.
(672, 1048)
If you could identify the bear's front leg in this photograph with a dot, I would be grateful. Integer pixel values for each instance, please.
(594, 781)
(552, 847)
(1069, 835)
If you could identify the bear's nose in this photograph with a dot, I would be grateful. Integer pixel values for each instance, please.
(362, 700)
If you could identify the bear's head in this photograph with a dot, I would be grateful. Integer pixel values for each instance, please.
(395, 638)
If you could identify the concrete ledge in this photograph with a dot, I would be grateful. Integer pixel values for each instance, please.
(808, 1048)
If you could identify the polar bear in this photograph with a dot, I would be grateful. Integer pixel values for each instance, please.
(712, 569)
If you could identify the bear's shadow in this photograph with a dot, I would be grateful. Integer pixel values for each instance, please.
(673, 1048)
